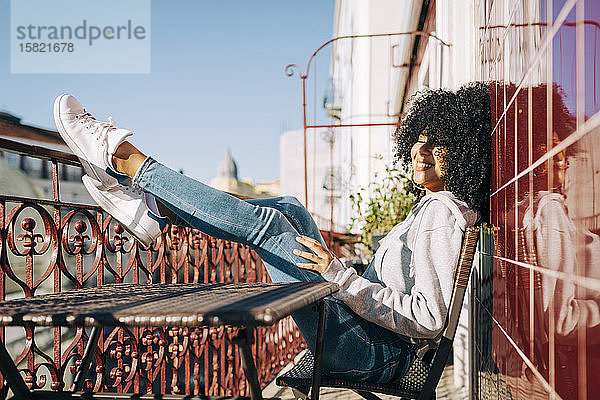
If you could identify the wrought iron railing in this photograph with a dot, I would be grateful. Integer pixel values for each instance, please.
(52, 246)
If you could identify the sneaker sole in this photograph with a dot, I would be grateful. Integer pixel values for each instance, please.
(70, 142)
(124, 219)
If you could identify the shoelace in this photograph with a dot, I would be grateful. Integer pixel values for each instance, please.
(134, 189)
(95, 126)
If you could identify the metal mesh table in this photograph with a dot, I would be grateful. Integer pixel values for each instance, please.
(192, 305)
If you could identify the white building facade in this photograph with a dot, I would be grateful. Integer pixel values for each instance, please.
(326, 175)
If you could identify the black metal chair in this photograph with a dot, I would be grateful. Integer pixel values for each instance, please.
(422, 377)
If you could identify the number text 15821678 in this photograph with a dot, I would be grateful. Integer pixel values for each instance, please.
(44, 47)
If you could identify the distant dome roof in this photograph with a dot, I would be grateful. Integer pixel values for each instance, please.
(15, 182)
(227, 167)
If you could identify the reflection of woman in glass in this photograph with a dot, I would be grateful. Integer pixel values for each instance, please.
(378, 321)
(557, 240)
(558, 244)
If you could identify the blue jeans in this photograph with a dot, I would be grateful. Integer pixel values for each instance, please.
(354, 347)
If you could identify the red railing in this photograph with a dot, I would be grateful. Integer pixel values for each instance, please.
(53, 246)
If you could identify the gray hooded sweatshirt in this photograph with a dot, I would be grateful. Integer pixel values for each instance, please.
(415, 265)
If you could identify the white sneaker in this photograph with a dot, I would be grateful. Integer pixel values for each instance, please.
(93, 141)
(135, 209)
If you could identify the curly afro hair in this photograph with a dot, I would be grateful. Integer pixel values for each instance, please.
(460, 121)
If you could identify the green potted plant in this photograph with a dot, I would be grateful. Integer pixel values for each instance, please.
(381, 205)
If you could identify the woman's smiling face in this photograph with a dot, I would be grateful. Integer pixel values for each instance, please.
(428, 164)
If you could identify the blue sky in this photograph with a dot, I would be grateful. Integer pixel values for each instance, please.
(216, 82)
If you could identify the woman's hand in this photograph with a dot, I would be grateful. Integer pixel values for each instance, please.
(320, 257)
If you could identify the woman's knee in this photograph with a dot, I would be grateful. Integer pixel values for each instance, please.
(290, 201)
(292, 206)
(273, 223)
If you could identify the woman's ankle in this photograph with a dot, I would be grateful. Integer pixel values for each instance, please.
(127, 159)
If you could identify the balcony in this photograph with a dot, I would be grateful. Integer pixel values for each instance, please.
(50, 246)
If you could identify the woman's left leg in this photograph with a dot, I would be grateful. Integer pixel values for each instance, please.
(265, 229)
(289, 206)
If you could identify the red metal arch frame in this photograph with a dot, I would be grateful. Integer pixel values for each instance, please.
(289, 70)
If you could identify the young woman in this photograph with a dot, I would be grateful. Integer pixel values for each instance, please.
(377, 322)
